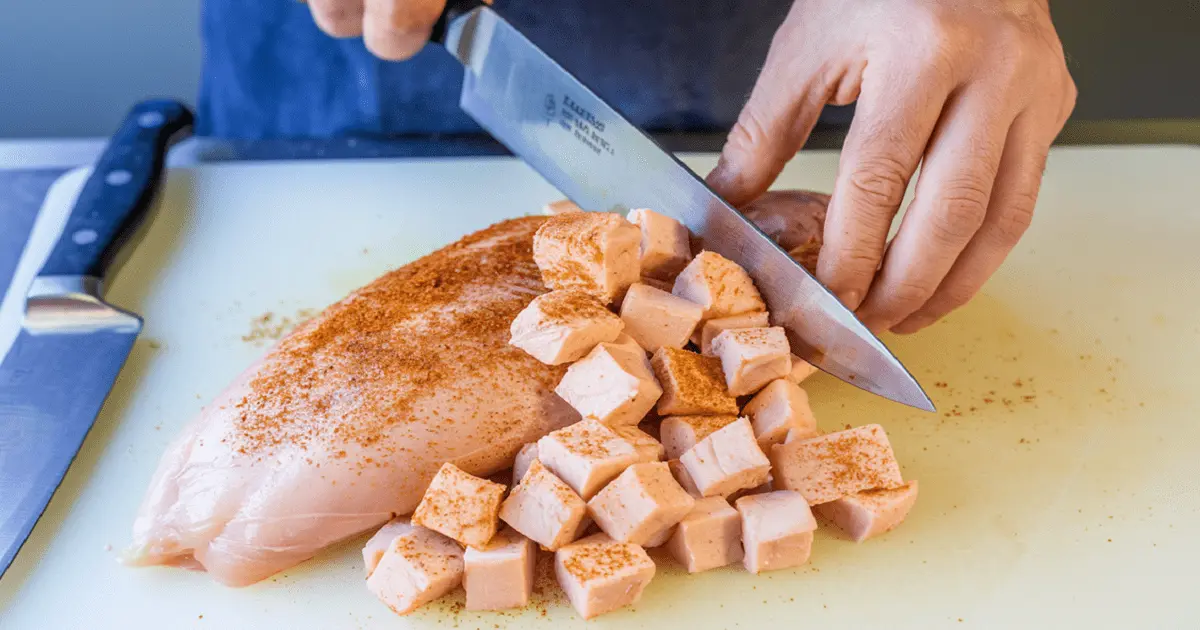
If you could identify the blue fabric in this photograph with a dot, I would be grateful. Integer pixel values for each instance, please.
(670, 65)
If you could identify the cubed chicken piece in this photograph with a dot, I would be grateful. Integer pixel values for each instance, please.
(499, 575)
(525, 458)
(612, 385)
(588, 455)
(777, 530)
(599, 574)
(640, 503)
(704, 334)
(461, 506)
(657, 319)
(801, 370)
(563, 326)
(596, 252)
(680, 433)
(780, 407)
(418, 567)
(752, 357)
(562, 206)
(728, 460)
(708, 537)
(378, 544)
(666, 244)
(870, 512)
(719, 285)
(679, 471)
(831, 466)
(625, 342)
(648, 448)
(692, 384)
(544, 508)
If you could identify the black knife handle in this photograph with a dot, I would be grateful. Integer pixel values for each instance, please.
(120, 190)
(454, 8)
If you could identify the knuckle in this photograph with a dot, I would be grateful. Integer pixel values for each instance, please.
(878, 183)
(1011, 32)
(955, 297)
(903, 299)
(940, 61)
(946, 39)
(963, 209)
(851, 270)
(938, 26)
(748, 132)
(859, 266)
(1015, 58)
(1013, 220)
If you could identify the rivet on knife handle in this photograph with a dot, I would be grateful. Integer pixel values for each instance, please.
(120, 190)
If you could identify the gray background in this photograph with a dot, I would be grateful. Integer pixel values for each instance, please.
(72, 67)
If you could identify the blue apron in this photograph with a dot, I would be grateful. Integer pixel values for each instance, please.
(670, 65)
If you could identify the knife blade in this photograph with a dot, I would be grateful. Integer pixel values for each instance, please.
(601, 161)
(59, 370)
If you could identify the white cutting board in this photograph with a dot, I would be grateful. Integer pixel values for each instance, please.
(1079, 507)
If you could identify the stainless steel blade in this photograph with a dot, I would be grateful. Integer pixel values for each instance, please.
(603, 162)
(52, 385)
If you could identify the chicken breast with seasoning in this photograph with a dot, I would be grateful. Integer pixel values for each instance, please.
(343, 424)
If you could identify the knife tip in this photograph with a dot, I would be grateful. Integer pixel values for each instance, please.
(916, 397)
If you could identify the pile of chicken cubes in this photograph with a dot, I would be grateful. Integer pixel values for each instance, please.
(695, 436)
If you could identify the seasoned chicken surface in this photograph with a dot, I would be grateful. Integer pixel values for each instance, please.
(343, 424)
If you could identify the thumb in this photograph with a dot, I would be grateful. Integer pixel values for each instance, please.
(774, 124)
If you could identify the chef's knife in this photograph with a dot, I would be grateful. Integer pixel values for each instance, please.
(72, 344)
(602, 161)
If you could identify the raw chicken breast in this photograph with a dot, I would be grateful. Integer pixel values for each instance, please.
(342, 425)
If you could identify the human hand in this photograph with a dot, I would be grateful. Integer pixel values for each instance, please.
(391, 29)
(974, 90)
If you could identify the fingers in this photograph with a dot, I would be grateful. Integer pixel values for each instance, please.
(784, 105)
(1010, 211)
(398, 29)
(949, 207)
(891, 127)
(338, 18)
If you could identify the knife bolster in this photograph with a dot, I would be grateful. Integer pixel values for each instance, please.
(72, 304)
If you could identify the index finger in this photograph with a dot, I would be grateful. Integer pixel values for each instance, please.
(892, 125)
